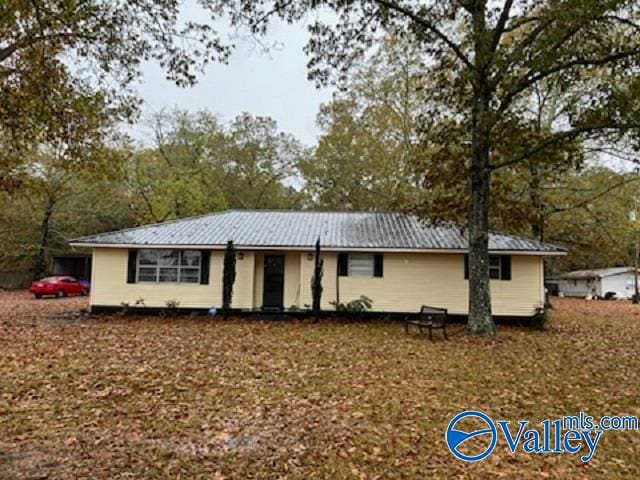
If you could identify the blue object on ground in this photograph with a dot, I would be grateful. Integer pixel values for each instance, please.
(213, 311)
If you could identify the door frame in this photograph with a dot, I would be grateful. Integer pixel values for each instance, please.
(280, 305)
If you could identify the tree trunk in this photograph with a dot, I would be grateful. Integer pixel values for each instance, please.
(480, 318)
(45, 227)
(537, 222)
(636, 296)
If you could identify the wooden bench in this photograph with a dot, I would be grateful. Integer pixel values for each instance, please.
(429, 318)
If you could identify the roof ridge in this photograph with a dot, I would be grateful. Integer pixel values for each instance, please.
(342, 212)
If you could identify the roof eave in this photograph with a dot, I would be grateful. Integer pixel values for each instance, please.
(311, 248)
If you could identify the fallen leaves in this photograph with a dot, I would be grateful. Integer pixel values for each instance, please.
(147, 397)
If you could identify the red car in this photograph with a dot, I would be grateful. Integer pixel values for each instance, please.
(58, 286)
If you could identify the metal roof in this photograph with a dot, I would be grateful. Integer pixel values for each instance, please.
(597, 273)
(301, 229)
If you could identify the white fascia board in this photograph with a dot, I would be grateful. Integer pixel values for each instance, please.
(311, 249)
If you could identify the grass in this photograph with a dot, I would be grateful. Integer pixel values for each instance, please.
(145, 397)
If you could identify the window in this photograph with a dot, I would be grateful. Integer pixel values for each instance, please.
(495, 267)
(169, 266)
(499, 267)
(360, 265)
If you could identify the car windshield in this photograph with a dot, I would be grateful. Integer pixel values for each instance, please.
(50, 279)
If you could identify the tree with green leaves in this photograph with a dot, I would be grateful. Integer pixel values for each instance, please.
(372, 134)
(62, 60)
(228, 278)
(482, 57)
(589, 212)
(199, 164)
(59, 201)
(260, 164)
(178, 176)
(316, 281)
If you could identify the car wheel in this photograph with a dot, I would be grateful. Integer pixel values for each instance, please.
(62, 293)
(84, 292)
(38, 296)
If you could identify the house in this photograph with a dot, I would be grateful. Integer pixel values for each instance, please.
(396, 260)
(598, 283)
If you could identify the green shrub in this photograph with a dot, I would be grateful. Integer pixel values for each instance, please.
(359, 305)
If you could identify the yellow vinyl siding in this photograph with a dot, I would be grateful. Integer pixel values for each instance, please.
(328, 280)
(110, 287)
(292, 279)
(410, 280)
(292, 293)
(243, 286)
(258, 282)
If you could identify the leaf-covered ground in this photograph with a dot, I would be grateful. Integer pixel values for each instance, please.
(194, 398)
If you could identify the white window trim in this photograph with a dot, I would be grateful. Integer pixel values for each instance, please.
(177, 267)
(498, 267)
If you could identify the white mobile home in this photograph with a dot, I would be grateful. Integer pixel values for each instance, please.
(618, 282)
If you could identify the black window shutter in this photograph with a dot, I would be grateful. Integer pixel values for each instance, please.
(505, 267)
(378, 268)
(343, 264)
(466, 267)
(131, 266)
(205, 262)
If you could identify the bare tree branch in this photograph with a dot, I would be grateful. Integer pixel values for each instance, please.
(500, 26)
(32, 40)
(601, 194)
(558, 138)
(427, 25)
(530, 79)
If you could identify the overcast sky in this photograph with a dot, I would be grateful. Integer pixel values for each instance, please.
(270, 84)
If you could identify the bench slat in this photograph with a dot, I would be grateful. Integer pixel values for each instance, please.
(430, 318)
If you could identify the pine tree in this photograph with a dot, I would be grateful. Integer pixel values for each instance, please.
(316, 281)
(228, 277)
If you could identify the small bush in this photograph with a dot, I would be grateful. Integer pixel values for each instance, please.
(359, 305)
(172, 307)
(124, 308)
(540, 320)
